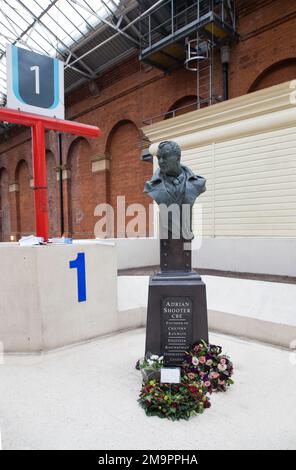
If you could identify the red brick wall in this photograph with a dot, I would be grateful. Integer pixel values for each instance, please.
(4, 207)
(131, 92)
(267, 38)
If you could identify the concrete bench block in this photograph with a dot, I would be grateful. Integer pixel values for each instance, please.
(39, 307)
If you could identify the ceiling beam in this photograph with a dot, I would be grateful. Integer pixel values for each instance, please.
(108, 23)
(98, 46)
(32, 25)
(89, 70)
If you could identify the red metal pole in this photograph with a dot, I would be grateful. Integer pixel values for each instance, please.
(40, 183)
(28, 119)
(39, 124)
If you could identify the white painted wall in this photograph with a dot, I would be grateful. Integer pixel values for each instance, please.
(259, 255)
(136, 252)
(247, 254)
(132, 300)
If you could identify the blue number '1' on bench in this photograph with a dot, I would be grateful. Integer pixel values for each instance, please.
(79, 264)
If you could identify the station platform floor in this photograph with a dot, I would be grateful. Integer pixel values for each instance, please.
(85, 397)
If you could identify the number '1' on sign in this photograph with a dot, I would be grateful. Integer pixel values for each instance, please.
(35, 82)
(36, 69)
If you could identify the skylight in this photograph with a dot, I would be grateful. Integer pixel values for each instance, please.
(51, 27)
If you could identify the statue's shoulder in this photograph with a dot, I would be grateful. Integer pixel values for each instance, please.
(190, 175)
(197, 181)
(153, 182)
(188, 172)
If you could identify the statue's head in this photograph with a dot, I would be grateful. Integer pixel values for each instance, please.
(169, 156)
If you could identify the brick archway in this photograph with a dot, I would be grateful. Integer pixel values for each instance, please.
(127, 172)
(277, 73)
(80, 188)
(182, 106)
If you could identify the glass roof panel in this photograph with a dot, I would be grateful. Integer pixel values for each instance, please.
(49, 26)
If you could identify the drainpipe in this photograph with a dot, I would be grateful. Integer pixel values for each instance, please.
(60, 155)
(225, 57)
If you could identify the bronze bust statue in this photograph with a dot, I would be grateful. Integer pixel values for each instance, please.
(174, 183)
(175, 188)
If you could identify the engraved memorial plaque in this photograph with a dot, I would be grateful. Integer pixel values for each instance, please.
(177, 328)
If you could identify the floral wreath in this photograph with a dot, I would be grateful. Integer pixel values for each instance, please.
(207, 363)
(205, 370)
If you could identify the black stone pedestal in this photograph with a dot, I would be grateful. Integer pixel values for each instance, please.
(177, 315)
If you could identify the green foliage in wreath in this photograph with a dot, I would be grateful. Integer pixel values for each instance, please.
(177, 401)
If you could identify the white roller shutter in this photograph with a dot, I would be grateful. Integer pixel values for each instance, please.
(251, 185)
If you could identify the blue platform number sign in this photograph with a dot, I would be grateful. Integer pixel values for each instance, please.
(35, 82)
(79, 264)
